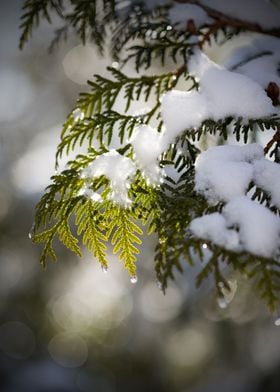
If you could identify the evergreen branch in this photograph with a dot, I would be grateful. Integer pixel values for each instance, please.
(239, 127)
(124, 233)
(134, 24)
(54, 202)
(104, 92)
(90, 224)
(143, 55)
(263, 198)
(59, 34)
(47, 237)
(274, 140)
(33, 11)
(268, 283)
(227, 21)
(85, 19)
(67, 238)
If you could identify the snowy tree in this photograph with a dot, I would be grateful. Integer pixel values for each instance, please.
(170, 142)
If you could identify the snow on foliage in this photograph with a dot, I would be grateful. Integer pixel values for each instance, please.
(224, 173)
(222, 94)
(144, 168)
(178, 12)
(118, 169)
(148, 144)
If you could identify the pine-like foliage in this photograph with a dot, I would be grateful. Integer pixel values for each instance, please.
(79, 209)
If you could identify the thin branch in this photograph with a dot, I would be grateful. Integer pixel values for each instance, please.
(223, 20)
(275, 139)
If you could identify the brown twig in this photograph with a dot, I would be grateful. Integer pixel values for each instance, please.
(228, 21)
(275, 139)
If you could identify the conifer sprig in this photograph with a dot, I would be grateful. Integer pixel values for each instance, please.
(33, 12)
(142, 37)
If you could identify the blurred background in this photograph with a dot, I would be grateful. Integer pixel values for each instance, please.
(73, 327)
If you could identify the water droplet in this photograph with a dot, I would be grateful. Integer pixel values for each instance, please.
(115, 65)
(174, 77)
(204, 246)
(160, 285)
(78, 114)
(222, 303)
(134, 279)
(228, 291)
(154, 35)
(168, 28)
(104, 269)
(277, 322)
(30, 236)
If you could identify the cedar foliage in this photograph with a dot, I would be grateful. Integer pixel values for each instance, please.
(142, 37)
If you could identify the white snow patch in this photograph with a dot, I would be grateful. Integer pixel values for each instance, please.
(222, 94)
(224, 172)
(259, 228)
(118, 169)
(182, 110)
(213, 227)
(148, 144)
(180, 13)
(264, 13)
(267, 177)
(263, 69)
(243, 225)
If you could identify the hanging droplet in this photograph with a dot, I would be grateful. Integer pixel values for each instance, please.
(204, 246)
(134, 279)
(104, 269)
(277, 322)
(78, 114)
(115, 65)
(160, 285)
(168, 28)
(30, 236)
(222, 303)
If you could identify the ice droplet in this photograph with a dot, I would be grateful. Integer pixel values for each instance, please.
(277, 322)
(115, 65)
(104, 269)
(78, 114)
(222, 303)
(134, 279)
(160, 285)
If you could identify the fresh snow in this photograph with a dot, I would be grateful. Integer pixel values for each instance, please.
(179, 14)
(222, 94)
(118, 169)
(262, 12)
(213, 227)
(243, 225)
(223, 173)
(148, 144)
(267, 177)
